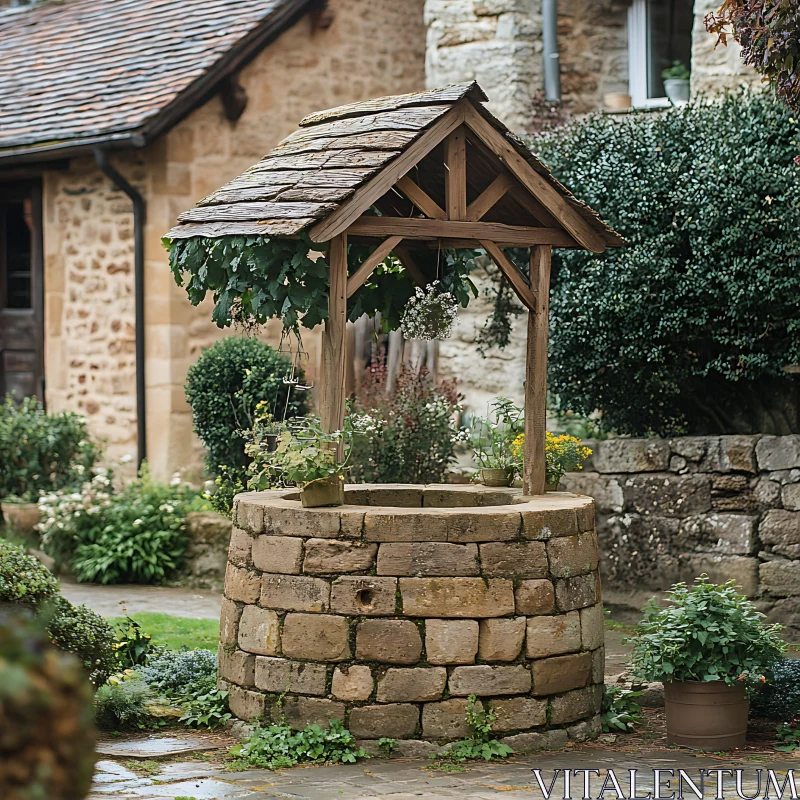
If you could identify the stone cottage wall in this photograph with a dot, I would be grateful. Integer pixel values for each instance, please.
(669, 510)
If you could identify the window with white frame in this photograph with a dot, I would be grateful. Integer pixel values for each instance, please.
(659, 34)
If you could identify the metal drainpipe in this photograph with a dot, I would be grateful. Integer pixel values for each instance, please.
(552, 67)
(139, 212)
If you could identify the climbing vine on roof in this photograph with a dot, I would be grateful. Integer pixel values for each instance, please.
(256, 278)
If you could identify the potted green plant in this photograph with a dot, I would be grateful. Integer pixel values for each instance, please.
(563, 454)
(493, 442)
(676, 82)
(708, 645)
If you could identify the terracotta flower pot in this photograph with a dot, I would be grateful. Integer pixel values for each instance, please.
(323, 492)
(706, 716)
(551, 487)
(495, 477)
(22, 517)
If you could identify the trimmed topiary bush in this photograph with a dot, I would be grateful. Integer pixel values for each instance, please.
(24, 579)
(224, 387)
(692, 327)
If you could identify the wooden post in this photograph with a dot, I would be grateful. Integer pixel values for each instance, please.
(333, 338)
(455, 158)
(533, 473)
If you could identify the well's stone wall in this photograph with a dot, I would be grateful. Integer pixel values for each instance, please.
(669, 510)
(388, 613)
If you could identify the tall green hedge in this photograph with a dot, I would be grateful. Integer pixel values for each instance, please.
(691, 327)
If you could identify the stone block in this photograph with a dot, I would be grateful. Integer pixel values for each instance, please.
(532, 742)
(534, 597)
(721, 533)
(445, 720)
(278, 554)
(237, 667)
(229, 617)
(365, 596)
(326, 556)
(579, 592)
(575, 705)
(411, 685)
(351, 524)
(279, 675)
(299, 712)
(778, 452)
(631, 455)
(389, 641)
(242, 585)
(451, 641)
(260, 631)
(292, 520)
(404, 525)
(316, 637)
(485, 680)
(240, 548)
(517, 559)
(427, 559)
(572, 555)
(780, 528)
(248, 515)
(592, 627)
(295, 593)
(501, 639)
(722, 568)
(543, 525)
(457, 597)
(780, 577)
(246, 704)
(738, 453)
(415, 748)
(586, 730)
(550, 636)
(668, 495)
(585, 515)
(353, 682)
(483, 525)
(598, 665)
(790, 496)
(398, 721)
(702, 451)
(561, 674)
(603, 489)
(518, 713)
(384, 494)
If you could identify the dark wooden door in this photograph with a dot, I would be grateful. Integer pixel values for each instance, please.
(21, 290)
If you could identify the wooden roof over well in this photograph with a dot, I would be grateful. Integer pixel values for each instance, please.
(392, 154)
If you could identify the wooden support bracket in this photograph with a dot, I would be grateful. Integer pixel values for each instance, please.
(490, 196)
(359, 277)
(515, 277)
(420, 198)
(410, 266)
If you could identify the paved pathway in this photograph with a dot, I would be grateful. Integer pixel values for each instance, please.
(406, 779)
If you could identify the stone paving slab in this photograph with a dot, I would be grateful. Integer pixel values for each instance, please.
(155, 747)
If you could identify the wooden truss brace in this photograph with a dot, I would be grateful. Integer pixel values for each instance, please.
(490, 196)
(420, 198)
(515, 277)
(359, 277)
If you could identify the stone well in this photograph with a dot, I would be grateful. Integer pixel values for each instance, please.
(388, 612)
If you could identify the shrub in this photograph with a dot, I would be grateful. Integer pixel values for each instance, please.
(689, 328)
(707, 632)
(224, 387)
(414, 433)
(177, 671)
(137, 535)
(41, 452)
(24, 579)
(132, 646)
(79, 630)
(780, 698)
(122, 703)
(207, 709)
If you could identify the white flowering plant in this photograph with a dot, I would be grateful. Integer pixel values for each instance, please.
(493, 436)
(136, 534)
(429, 314)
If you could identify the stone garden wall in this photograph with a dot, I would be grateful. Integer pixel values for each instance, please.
(388, 612)
(669, 510)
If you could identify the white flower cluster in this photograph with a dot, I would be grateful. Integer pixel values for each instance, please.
(429, 314)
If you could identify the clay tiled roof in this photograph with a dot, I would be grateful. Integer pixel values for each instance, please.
(333, 153)
(83, 71)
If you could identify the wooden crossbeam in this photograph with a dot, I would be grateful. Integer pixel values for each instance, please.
(410, 266)
(359, 277)
(490, 196)
(515, 277)
(352, 208)
(455, 161)
(512, 235)
(420, 198)
(539, 186)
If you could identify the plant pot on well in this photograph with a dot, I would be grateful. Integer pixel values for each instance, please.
(328, 491)
(677, 90)
(495, 477)
(22, 517)
(706, 716)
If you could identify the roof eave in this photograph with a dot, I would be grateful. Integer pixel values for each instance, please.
(72, 148)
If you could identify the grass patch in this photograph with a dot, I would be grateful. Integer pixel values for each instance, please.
(176, 632)
(614, 625)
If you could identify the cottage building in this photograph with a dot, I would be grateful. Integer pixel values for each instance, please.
(117, 115)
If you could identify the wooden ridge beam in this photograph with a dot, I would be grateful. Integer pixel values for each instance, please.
(414, 228)
(536, 184)
(359, 277)
(490, 196)
(420, 198)
(515, 277)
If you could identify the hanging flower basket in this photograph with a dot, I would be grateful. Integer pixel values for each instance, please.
(429, 314)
